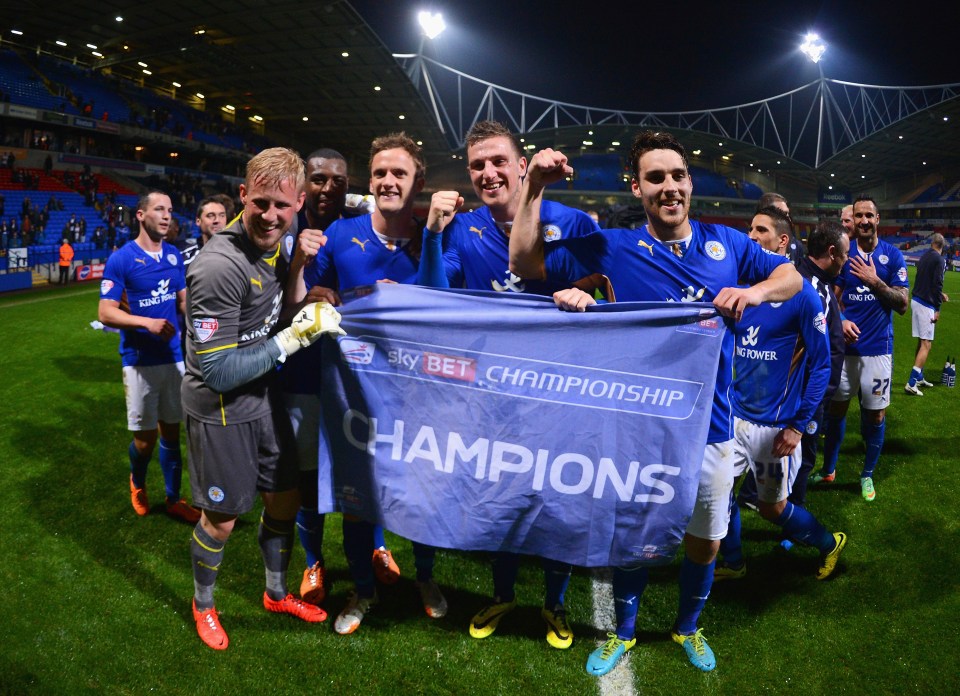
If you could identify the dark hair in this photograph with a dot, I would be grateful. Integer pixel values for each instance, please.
(144, 199)
(770, 198)
(207, 201)
(826, 234)
(863, 197)
(654, 140)
(227, 200)
(400, 141)
(781, 221)
(326, 153)
(482, 130)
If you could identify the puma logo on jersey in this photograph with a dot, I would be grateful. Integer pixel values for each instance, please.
(751, 338)
(646, 245)
(257, 282)
(140, 261)
(479, 231)
(360, 244)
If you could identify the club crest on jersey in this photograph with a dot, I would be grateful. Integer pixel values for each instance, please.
(205, 328)
(811, 428)
(774, 305)
(215, 493)
(715, 250)
(884, 259)
(288, 245)
(106, 286)
(357, 352)
(551, 233)
(820, 322)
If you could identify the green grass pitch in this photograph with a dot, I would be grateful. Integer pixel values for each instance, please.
(97, 600)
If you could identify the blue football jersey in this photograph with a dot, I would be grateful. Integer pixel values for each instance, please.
(478, 252)
(862, 307)
(354, 255)
(641, 268)
(150, 288)
(781, 361)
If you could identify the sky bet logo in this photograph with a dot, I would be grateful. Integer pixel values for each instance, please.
(434, 364)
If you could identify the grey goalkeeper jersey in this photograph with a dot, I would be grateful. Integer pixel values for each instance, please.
(234, 298)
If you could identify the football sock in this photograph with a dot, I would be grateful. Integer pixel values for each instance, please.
(730, 546)
(800, 525)
(423, 557)
(695, 583)
(873, 438)
(834, 428)
(505, 568)
(379, 542)
(206, 553)
(138, 466)
(916, 374)
(628, 587)
(358, 549)
(171, 464)
(310, 531)
(556, 577)
(276, 541)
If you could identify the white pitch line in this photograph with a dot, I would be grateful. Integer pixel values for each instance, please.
(619, 680)
(48, 297)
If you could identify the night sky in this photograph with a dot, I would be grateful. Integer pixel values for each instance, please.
(676, 56)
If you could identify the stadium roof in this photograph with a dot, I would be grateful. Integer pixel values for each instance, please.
(281, 60)
(285, 61)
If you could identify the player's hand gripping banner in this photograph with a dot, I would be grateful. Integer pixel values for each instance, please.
(482, 421)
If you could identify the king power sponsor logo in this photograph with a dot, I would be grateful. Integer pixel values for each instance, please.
(159, 295)
(525, 378)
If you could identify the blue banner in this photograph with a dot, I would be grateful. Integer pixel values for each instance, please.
(493, 421)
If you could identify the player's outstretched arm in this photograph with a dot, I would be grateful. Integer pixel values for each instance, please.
(526, 242)
(782, 284)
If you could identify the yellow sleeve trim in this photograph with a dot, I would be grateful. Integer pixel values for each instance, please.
(214, 350)
(223, 411)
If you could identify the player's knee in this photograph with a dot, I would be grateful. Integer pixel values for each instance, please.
(699, 550)
(771, 511)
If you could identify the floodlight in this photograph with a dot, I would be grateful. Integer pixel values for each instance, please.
(432, 24)
(813, 47)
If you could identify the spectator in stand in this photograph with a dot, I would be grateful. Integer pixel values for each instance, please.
(99, 237)
(66, 260)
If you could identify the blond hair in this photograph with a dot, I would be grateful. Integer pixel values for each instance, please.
(275, 165)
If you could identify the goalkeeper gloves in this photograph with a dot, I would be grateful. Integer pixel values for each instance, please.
(309, 324)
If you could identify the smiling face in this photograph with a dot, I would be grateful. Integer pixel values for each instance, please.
(495, 169)
(268, 210)
(866, 220)
(664, 187)
(212, 219)
(394, 182)
(326, 190)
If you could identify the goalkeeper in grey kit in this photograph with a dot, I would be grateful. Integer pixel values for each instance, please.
(234, 298)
